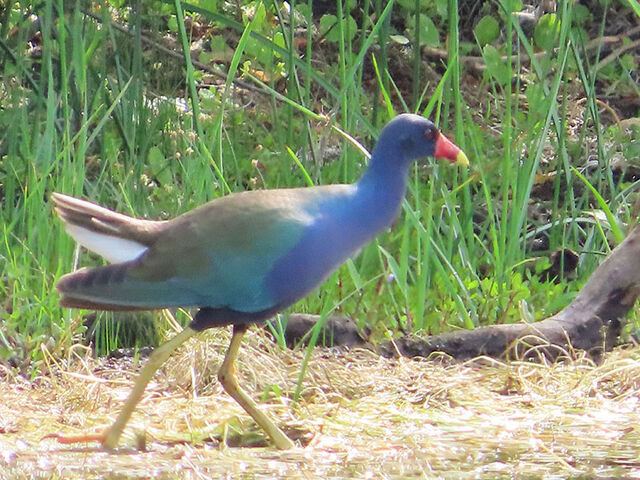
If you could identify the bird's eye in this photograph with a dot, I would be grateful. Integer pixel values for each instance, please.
(430, 133)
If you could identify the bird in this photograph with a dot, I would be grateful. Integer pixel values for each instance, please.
(240, 258)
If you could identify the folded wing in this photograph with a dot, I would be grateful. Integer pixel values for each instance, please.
(217, 255)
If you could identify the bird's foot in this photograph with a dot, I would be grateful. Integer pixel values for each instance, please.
(108, 439)
(83, 438)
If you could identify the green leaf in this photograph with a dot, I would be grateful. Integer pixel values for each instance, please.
(209, 99)
(256, 13)
(278, 40)
(401, 39)
(355, 276)
(487, 30)
(495, 65)
(580, 35)
(352, 27)
(220, 51)
(547, 31)
(614, 222)
(628, 62)
(172, 23)
(218, 43)
(328, 23)
(210, 5)
(581, 14)
(410, 5)
(467, 47)
(304, 10)
(442, 7)
(428, 32)
(329, 27)
(632, 150)
(158, 165)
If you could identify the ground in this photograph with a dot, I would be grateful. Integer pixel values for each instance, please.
(359, 416)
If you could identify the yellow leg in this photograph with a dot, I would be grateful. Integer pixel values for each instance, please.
(156, 360)
(227, 378)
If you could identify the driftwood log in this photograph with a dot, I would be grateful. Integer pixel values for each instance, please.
(592, 322)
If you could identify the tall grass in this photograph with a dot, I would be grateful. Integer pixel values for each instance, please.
(94, 116)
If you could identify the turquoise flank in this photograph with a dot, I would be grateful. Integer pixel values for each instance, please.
(235, 280)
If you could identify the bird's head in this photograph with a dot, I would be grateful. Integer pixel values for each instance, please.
(417, 138)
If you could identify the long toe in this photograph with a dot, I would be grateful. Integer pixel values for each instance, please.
(82, 438)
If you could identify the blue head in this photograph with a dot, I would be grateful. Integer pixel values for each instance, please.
(409, 137)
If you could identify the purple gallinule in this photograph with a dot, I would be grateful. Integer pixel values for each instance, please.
(240, 258)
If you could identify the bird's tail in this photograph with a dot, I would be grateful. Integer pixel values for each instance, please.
(112, 288)
(113, 236)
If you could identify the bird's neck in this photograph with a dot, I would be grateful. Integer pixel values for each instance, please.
(382, 187)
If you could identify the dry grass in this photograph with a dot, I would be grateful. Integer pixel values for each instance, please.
(362, 417)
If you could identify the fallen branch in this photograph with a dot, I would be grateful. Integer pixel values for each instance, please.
(592, 322)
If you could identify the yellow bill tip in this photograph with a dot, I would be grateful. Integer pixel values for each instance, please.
(462, 160)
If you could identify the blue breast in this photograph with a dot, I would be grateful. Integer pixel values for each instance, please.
(342, 227)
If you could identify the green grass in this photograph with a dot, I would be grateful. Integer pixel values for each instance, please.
(94, 116)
